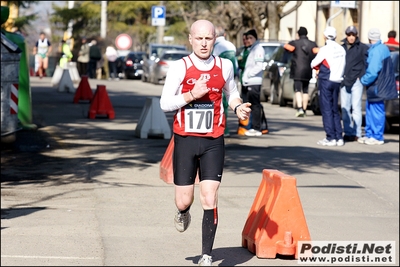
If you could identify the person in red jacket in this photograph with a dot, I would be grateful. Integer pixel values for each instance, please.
(391, 42)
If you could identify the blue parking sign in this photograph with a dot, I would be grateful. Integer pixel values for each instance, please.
(158, 14)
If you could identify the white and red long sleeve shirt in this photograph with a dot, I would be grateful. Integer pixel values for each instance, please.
(205, 116)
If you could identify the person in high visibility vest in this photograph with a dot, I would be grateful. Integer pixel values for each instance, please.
(66, 54)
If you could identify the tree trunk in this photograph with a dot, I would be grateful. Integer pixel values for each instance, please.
(273, 22)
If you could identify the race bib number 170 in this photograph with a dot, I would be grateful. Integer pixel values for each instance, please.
(199, 117)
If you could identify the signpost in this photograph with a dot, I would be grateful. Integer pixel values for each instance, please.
(158, 15)
(344, 4)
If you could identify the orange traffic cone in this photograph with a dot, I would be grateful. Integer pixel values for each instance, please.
(166, 170)
(276, 221)
(83, 92)
(101, 104)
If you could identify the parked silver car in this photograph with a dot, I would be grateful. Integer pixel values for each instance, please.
(154, 52)
(272, 75)
(269, 49)
(161, 65)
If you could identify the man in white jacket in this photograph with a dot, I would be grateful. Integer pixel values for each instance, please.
(252, 80)
(330, 61)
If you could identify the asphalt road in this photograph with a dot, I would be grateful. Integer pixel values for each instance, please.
(80, 191)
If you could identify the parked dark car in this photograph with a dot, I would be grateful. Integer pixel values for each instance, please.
(155, 50)
(120, 62)
(161, 64)
(133, 67)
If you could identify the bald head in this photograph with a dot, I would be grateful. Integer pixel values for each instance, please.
(202, 38)
(202, 26)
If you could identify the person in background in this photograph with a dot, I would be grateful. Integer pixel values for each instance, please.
(304, 52)
(244, 125)
(100, 68)
(241, 59)
(381, 85)
(351, 89)
(42, 50)
(225, 49)
(66, 54)
(83, 57)
(330, 61)
(391, 42)
(112, 55)
(94, 57)
(194, 86)
(252, 80)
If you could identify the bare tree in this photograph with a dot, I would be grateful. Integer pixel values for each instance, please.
(270, 11)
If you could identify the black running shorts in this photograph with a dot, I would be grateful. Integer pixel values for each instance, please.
(301, 86)
(192, 153)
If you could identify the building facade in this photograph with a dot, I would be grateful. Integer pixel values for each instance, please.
(316, 15)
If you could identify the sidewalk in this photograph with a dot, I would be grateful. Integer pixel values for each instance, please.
(87, 192)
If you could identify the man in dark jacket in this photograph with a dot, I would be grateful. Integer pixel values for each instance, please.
(94, 57)
(352, 89)
(381, 86)
(304, 52)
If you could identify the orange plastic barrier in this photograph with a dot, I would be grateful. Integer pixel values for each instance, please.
(276, 221)
(166, 170)
(242, 126)
(101, 104)
(83, 92)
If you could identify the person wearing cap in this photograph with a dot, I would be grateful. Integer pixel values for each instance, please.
(252, 80)
(380, 84)
(304, 52)
(83, 58)
(352, 89)
(330, 61)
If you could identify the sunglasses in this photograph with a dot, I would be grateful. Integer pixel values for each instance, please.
(351, 34)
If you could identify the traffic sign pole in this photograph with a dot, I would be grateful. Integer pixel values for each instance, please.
(158, 14)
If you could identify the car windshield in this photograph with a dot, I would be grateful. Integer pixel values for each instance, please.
(173, 56)
(282, 55)
(135, 57)
(158, 50)
(269, 50)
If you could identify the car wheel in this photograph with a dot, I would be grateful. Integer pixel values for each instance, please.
(388, 126)
(274, 93)
(263, 98)
(314, 103)
(294, 101)
(282, 101)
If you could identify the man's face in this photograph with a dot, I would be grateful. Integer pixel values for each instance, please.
(250, 40)
(42, 36)
(245, 41)
(351, 38)
(202, 40)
